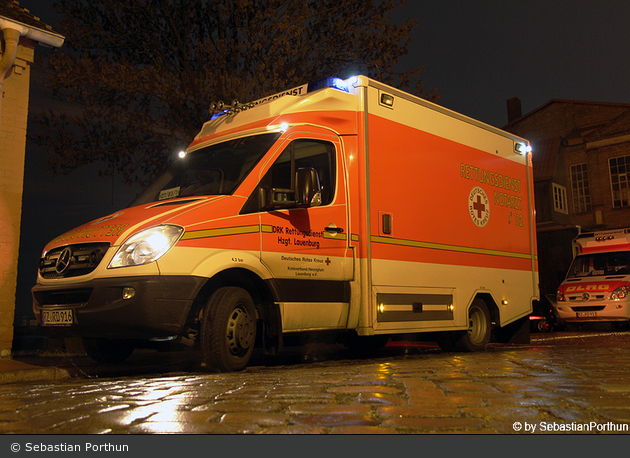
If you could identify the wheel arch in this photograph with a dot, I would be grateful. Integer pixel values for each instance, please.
(491, 304)
(516, 332)
(267, 310)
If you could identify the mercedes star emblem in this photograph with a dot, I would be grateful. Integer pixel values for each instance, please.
(63, 261)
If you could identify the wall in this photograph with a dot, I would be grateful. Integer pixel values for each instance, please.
(600, 187)
(12, 152)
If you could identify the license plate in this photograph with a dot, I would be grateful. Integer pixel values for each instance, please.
(57, 317)
(586, 314)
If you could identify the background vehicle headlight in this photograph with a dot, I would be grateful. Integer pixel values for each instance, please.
(620, 293)
(146, 246)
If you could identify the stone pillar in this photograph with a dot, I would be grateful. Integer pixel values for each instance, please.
(12, 153)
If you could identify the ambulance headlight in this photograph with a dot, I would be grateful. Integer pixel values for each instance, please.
(146, 246)
(620, 293)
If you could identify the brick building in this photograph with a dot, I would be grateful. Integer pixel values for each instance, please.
(581, 158)
(20, 34)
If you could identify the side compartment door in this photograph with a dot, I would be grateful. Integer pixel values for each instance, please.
(306, 247)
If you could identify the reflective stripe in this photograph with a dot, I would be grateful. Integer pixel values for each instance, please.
(220, 232)
(440, 246)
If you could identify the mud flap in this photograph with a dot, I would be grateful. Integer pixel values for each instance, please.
(516, 332)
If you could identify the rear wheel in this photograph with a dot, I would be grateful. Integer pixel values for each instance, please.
(228, 330)
(477, 336)
(108, 350)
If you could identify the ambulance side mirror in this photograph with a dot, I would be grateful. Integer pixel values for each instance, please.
(308, 190)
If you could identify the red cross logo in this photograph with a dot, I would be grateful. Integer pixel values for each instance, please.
(327, 261)
(479, 206)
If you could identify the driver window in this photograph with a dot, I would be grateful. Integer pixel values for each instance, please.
(316, 154)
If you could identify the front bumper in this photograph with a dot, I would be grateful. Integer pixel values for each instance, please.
(159, 306)
(593, 311)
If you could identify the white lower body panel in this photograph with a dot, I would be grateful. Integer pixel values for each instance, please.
(434, 297)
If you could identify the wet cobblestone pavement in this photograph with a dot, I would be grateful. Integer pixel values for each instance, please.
(554, 384)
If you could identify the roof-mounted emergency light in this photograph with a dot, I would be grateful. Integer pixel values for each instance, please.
(224, 109)
(603, 236)
(218, 109)
(332, 82)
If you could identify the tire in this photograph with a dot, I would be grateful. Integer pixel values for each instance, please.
(228, 330)
(620, 325)
(544, 326)
(108, 350)
(477, 336)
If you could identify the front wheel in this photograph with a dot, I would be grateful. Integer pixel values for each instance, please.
(620, 325)
(544, 325)
(228, 330)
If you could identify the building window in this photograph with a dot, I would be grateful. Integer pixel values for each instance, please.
(619, 171)
(560, 199)
(579, 186)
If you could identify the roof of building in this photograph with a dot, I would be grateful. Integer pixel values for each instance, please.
(12, 13)
(590, 129)
(552, 101)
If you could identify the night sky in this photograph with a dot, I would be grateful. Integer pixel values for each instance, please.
(478, 54)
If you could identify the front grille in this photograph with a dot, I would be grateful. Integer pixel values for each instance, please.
(592, 308)
(590, 297)
(73, 297)
(72, 260)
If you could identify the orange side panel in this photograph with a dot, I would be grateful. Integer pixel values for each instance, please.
(444, 256)
(440, 191)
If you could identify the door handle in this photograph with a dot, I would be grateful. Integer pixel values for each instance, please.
(335, 229)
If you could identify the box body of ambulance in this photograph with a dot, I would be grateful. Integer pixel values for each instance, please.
(346, 208)
(597, 285)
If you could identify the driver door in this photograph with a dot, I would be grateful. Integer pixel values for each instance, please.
(306, 248)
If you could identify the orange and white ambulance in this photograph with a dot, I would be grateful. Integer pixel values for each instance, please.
(597, 285)
(344, 208)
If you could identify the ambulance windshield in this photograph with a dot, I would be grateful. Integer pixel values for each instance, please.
(214, 170)
(596, 264)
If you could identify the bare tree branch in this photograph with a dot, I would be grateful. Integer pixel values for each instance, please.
(137, 76)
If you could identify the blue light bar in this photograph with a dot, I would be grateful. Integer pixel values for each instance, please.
(331, 81)
(219, 109)
(218, 114)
